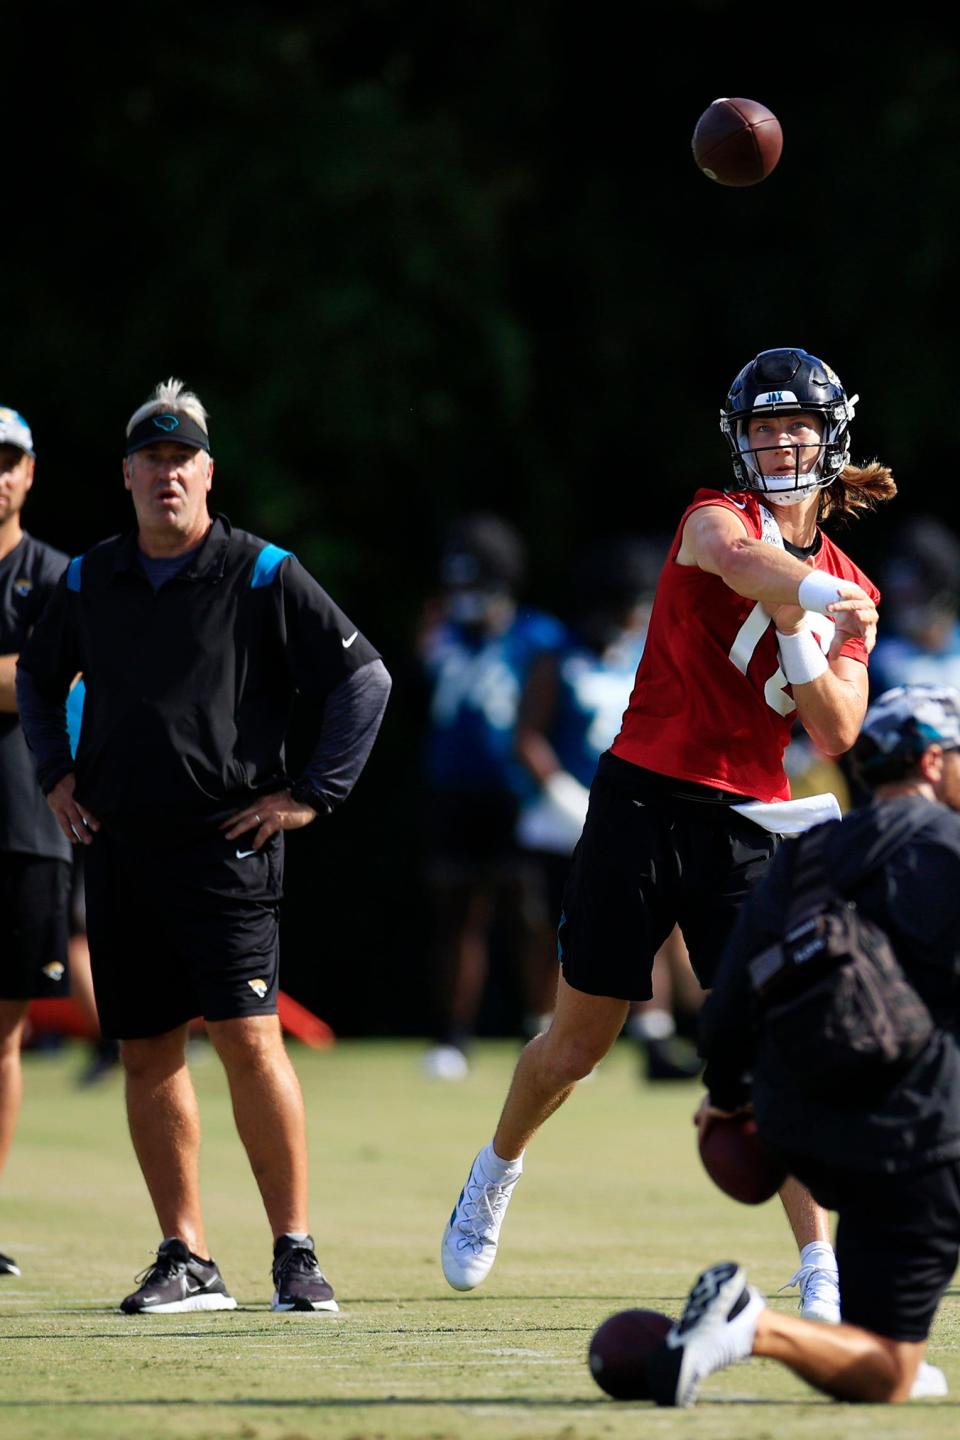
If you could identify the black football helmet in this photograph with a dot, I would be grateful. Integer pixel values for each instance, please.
(787, 382)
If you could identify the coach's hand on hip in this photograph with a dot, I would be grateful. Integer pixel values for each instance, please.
(76, 821)
(268, 814)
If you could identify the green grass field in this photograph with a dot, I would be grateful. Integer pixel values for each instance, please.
(613, 1211)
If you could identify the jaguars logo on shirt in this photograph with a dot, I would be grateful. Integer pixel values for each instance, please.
(55, 970)
(22, 587)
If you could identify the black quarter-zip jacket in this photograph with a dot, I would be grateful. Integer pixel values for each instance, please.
(189, 687)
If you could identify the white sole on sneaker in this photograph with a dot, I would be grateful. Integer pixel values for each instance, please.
(326, 1307)
(180, 1307)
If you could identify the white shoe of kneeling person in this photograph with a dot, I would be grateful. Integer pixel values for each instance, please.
(930, 1382)
(819, 1293)
(716, 1329)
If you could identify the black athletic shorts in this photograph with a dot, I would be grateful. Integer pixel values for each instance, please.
(897, 1244)
(34, 904)
(654, 852)
(180, 930)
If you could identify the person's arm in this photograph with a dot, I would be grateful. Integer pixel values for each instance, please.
(8, 684)
(832, 706)
(535, 718)
(352, 716)
(715, 540)
(44, 724)
(830, 691)
(538, 704)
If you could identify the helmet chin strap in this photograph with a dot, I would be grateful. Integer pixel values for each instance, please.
(792, 497)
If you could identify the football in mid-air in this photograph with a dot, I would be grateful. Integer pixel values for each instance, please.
(737, 141)
(619, 1350)
(737, 1160)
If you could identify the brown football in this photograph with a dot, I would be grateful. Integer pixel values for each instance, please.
(737, 1160)
(737, 142)
(619, 1350)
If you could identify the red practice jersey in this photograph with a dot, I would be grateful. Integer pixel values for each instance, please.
(710, 702)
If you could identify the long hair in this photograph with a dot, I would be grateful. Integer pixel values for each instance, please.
(856, 491)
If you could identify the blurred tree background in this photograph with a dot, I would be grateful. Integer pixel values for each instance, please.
(421, 258)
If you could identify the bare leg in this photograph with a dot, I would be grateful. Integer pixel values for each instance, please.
(582, 1031)
(12, 1015)
(165, 1128)
(463, 913)
(533, 934)
(841, 1360)
(684, 985)
(81, 982)
(268, 1109)
(471, 962)
(807, 1220)
(661, 982)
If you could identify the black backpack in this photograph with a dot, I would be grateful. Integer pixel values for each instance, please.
(838, 1019)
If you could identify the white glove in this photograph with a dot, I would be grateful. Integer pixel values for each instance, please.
(554, 819)
(568, 795)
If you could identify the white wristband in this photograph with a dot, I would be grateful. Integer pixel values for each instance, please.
(801, 658)
(818, 590)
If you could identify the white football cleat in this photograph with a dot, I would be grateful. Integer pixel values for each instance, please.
(930, 1381)
(469, 1245)
(819, 1293)
(716, 1329)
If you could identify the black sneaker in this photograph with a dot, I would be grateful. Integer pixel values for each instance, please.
(301, 1284)
(104, 1057)
(178, 1280)
(8, 1266)
(670, 1058)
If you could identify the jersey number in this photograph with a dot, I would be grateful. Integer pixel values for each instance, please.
(750, 634)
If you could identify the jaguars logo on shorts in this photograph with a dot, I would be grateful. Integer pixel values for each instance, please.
(259, 988)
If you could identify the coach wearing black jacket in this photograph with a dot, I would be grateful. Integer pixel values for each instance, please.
(193, 639)
(887, 1162)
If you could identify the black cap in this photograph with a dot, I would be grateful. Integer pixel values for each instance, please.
(167, 425)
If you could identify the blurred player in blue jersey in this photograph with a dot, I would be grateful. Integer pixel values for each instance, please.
(920, 640)
(570, 713)
(476, 654)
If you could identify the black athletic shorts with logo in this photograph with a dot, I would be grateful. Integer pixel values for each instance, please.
(898, 1242)
(181, 929)
(654, 852)
(34, 905)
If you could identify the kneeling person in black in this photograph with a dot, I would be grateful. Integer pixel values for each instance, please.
(886, 1159)
(193, 640)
